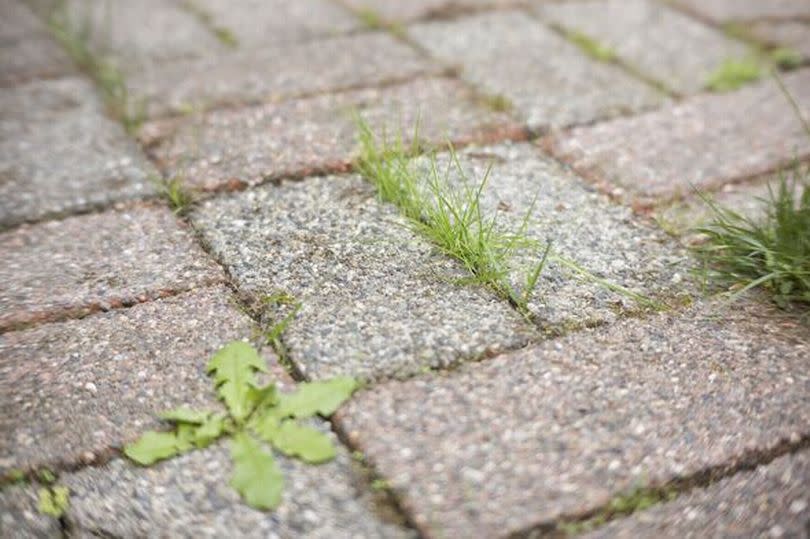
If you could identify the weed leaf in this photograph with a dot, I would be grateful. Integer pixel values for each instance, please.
(185, 415)
(53, 501)
(154, 446)
(307, 443)
(255, 474)
(316, 398)
(233, 367)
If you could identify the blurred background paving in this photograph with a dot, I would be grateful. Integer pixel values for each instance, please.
(578, 412)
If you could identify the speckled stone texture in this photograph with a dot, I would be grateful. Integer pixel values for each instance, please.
(600, 236)
(296, 69)
(397, 10)
(59, 153)
(19, 518)
(771, 501)
(550, 82)
(258, 23)
(662, 43)
(376, 300)
(728, 10)
(294, 138)
(703, 142)
(26, 49)
(70, 391)
(557, 430)
(793, 34)
(96, 262)
(189, 496)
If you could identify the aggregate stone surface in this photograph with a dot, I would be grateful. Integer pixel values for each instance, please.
(770, 501)
(549, 80)
(396, 10)
(583, 226)
(190, 496)
(59, 153)
(293, 138)
(97, 262)
(258, 23)
(26, 49)
(376, 300)
(661, 42)
(793, 34)
(19, 517)
(559, 429)
(728, 10)
(241, 77)
(72, 390)
(703, 142)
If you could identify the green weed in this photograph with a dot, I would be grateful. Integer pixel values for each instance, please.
(497, 103)
(53, 501)
(591, 47)
(786, 58)
(224, 35)
(255, 414)
(733, 74)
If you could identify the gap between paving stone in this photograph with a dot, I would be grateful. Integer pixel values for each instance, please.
(396, 11)
(292, 139)
(564, 426)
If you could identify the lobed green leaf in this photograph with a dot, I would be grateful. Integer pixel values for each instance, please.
(256, 476)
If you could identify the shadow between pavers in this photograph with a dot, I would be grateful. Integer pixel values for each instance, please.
(557, 430)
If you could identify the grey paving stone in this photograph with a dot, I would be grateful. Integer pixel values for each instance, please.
(771, 501)
(344, 62)
(793, 34)
(583, 226)
(396, 10)
(258, 23)
(19, 517)
(26, 49)
(292, 138)
(60, 154)
(189, 496)
(376, 300)
(95, 262)
(727, 10)
(557, 430)
(551, 83)
(662, 43)
(703, 142)
(73, 390)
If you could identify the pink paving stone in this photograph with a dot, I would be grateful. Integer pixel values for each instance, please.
(96, 262)
(703, 142)
(294, 138)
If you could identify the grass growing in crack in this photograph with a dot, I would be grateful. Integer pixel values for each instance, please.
(733, 74)
(224, 35)
(497, 103)
(786, 58)
(450, 217)
(177, 195)
(273, 335)
(75, 37)
(591, 47)
(256, 415)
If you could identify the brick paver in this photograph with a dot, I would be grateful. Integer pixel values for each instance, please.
(96, 262)
(293, 138)
(558, 429)
(60, 154)
(376, 300)
(550, 82)
(73, 390)
(703, 142)
(662, 43)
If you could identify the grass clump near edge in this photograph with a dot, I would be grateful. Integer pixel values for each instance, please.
(733, 74)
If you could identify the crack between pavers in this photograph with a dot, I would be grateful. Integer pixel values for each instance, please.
(748, 461)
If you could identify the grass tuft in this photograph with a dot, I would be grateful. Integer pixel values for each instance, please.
(591, 47)
(733, 74)
(179, 197)
(786, 58)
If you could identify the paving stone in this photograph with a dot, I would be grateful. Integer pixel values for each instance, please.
(583, 226)
(396, 10)
(559, 429)
(727, 10)
(19, 517)
(376, 300)
(26, 49)
(190, 496)
(258, 23)
(703, 142)
(662, 43)
(60, 154)
(324, 65)
(771, 501)
(550, 82)
(292, 138)
(96, 262)
(75, 389)
(793, 34)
